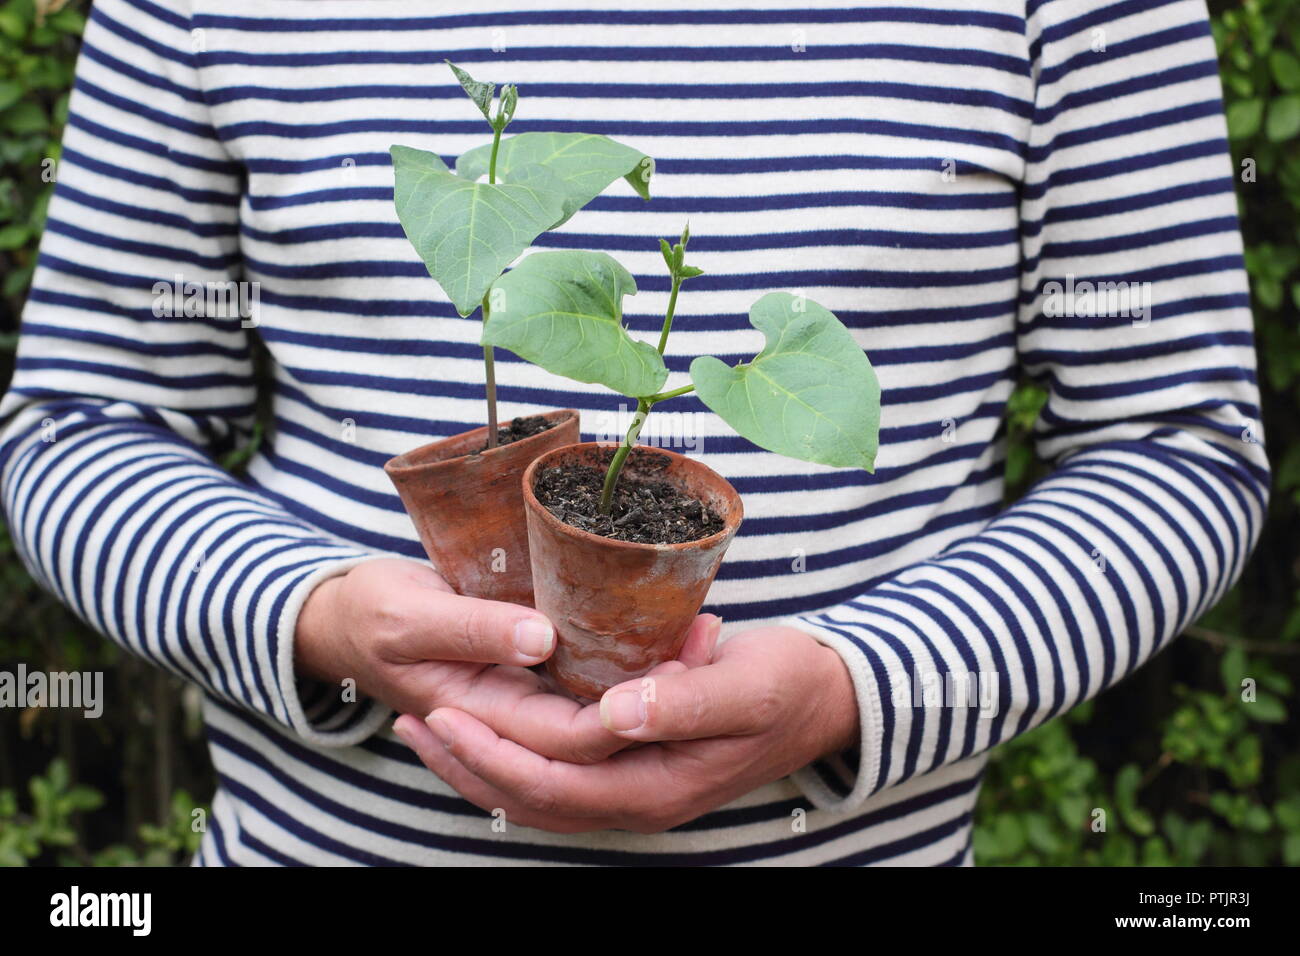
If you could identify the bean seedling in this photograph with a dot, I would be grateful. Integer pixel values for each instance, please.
(468, 231)
(811, 392)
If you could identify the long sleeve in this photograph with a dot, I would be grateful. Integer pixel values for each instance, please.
(108, 432)
(1159, 479)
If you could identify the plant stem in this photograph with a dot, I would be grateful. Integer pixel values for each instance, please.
(489, 366)
(668, 316)
(496, 144)
(664, 396)
(489, 362)
(620, 456)
(643, 405)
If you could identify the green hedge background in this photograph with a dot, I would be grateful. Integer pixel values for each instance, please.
(1209, 778)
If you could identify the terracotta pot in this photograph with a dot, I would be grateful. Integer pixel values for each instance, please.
(621, 608)
(468, 508)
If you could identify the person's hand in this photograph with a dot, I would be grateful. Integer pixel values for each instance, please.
(408, 640)
(772, 700)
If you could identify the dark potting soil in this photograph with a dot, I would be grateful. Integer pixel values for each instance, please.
(644, 511)
(525, 426)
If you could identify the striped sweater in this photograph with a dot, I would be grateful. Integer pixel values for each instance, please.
(947, 178)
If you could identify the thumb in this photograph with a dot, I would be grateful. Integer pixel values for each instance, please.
(714, 700)
(458, 628)
(701, 641)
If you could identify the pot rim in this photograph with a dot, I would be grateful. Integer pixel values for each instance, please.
(731, 521)
(395, 467)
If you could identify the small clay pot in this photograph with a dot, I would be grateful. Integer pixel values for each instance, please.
(621, 608)
(468, 509)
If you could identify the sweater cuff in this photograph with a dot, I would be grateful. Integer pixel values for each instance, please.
(842, 784)
(317, 711)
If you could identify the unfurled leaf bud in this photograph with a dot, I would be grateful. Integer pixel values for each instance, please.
(667, 250)
(480, 93)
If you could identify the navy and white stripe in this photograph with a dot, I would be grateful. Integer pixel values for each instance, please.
(921, 171)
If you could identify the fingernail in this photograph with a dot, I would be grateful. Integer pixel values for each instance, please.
(622, 711)
(715, 632)
(402, 733)
(534, 637)
(441, 729)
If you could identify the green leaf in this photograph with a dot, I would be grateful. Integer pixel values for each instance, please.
(68, 20)
(1245, 761)
(25, 117)
(10, 93)
(1040, 834)
(1155, 852)
(17, 280)
(1288, 812)
(10, 856)
(1258, 819)
(810, 394)
(1283, 118)
(586, 164)
(563, 311)
(1268, 292)
(13, 236)
(57, 774)
(1019, 460)
(12, 23)
(467, 232)
(480, 93)
(1009, 834)
(1126, 788)
(17, 150)
(84, 798)
(1286, 69)
(1232, 668)
(1244, 117)
(1189, 840)
(1291, 849)
(1267, 709)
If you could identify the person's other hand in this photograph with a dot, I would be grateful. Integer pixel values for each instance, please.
(772, 700)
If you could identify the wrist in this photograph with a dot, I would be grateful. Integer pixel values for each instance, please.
(841, 710)
(316, 646)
